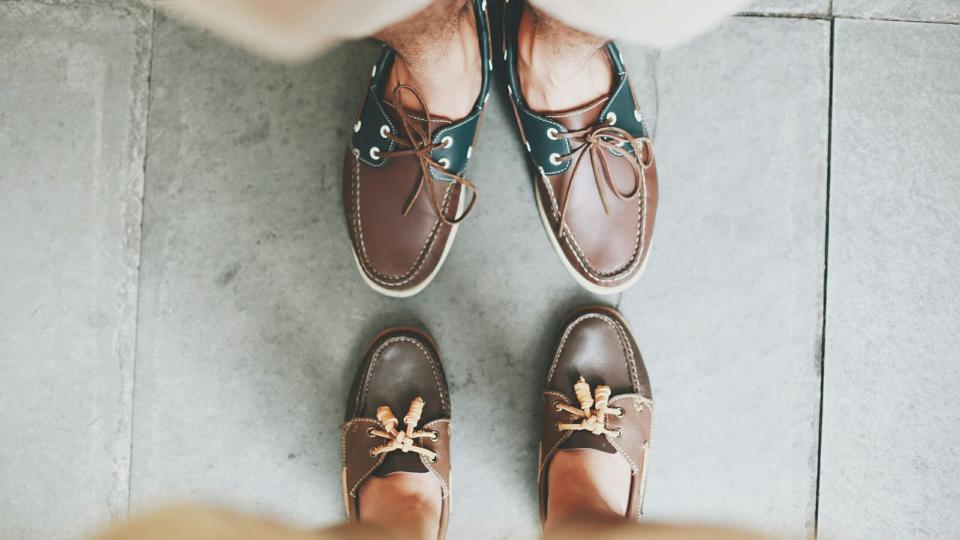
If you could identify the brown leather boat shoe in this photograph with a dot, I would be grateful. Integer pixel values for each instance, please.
(596, 182)
(597, 396)
(398, 417)
(404, 192)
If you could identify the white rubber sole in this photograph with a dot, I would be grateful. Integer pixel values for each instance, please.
(586, 284)
(406, 293)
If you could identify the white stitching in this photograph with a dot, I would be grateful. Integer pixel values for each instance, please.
(618, 273)
(430, 360)
(428, 245)
(625, 345)
(623, 82)
(649, 403)
(579, 111)
(566, 143)
(343, 450)
(429, 466)
(390, 144)
(545, 458)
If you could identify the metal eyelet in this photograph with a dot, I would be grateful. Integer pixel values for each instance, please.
(434, 459)
(370, 432)
(434, 435)
(375, 152)
(619, 433)
(447, 141)
(611, 117)
(444, 162)
(370, 453)
(356, 153)
(555, 159)
(556, 406)
(356, 127)
(552, 134)
(384, 129)
(557, 426)
(620, 411)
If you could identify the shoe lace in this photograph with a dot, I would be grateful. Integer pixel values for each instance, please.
(593, 410)
(597, 140)
(418, 142)
(402, 440)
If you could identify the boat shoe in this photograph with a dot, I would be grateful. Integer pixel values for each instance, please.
(398, 417)
(596, 177)
(597, 396)
(404, 190)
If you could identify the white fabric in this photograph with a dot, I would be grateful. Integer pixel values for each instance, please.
(299, 29)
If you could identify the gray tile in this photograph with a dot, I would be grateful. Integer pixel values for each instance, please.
(253, 315)
(71, 177)
(914, 10)
(729, 313)
(890, 461)
(790, 7)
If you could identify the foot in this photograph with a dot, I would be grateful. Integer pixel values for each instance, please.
(560, 68)
(396, 445)
(598, 414)
(404, 503)
(587, 483)
(426, 56)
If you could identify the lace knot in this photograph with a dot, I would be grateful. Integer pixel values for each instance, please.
(405, 440)
(418, 142)
(593, 411)
(599, 142)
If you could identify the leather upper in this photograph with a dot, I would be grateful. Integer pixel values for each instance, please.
(595, 343)
(605, 246)
(399, 366)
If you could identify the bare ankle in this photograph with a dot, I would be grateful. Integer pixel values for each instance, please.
(585, 483)
(438, 53)
(406, 504)
(560, 68)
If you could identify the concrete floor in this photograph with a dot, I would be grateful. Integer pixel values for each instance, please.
(180, 315)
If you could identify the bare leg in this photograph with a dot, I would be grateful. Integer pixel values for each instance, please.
(587, 484)
(439, 55)
(406, 504)
(560, 68)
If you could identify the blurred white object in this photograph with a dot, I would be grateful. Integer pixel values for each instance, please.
(299, 29)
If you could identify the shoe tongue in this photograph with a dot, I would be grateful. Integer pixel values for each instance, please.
(579, 118)
(585, 439)
(400, 462)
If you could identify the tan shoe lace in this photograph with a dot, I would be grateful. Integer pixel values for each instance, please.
(419, 142)
(597, 141)
(402, 440)
(593, 410)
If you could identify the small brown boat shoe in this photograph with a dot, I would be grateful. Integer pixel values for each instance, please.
(401, 375)
(597, 396)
